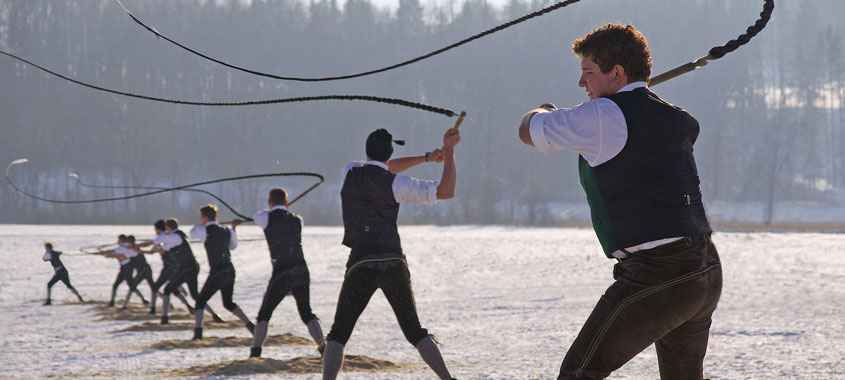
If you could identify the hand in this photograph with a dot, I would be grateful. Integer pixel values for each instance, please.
(236, 223)
(451, 139)
(435, 155)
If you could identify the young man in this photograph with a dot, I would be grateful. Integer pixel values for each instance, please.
(370, 194)
(640, 177)
(142, 271)
(170, 265)
(61, 272)
(123, 256)
(283, 231)
(218, 242)
(187, 269)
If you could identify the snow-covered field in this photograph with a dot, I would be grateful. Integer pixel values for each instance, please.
(504, 302)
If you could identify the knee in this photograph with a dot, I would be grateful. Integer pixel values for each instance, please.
(307, 316)
(264, 316)
(338, 336)
(414, 337)
(231, 306)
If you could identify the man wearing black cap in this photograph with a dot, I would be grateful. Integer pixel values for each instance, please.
(370, 195)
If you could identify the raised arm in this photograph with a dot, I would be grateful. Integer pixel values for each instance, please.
(399, 165)
(446, 188)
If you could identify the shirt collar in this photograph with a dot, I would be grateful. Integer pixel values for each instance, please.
(377, 163)
(280, 207)
(632, 86)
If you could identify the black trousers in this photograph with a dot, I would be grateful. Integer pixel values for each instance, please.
(168, 272)
(294, 280)
(361, 282)
(142, 273)
(664, 296)
(184, 275)
(222, 278)
(60, 275)
(125, 274)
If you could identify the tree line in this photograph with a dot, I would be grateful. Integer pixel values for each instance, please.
(771, 113)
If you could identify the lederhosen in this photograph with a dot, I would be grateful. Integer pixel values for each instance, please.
(664, 295)
(221, 276)
(290, 272)
(376, 261)
(187, 268)
(61, 273)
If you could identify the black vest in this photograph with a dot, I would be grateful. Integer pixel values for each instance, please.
(139, 261)
(217, 245)
(650, 190)
(183, 253)
(55, 261)
(369, 209)
(284, 237)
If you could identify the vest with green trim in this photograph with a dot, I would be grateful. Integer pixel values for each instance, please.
(650, 190)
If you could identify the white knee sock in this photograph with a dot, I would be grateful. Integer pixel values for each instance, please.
(332, 360)
(260, 333)
(431, 355)
(315, 330)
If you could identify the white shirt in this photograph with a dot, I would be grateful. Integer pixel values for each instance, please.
(122, 250)
(47, 256)
(596, 130)
(262, 218)
(405, 188)
(168, 241)
(198, 232)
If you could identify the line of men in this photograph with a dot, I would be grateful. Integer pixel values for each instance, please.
(637, 168)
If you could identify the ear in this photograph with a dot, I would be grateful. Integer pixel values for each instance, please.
(619, 73)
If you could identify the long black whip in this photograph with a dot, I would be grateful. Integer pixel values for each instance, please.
(720, 51)
(365, 73)
(367, 98)
(163, 190)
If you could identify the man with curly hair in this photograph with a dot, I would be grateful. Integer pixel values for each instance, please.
(637, 168)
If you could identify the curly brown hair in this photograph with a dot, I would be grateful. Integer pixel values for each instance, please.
(617, 44)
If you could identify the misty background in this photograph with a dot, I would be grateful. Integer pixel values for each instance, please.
(771, 148)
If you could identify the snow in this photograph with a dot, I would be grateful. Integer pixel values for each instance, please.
(504, 302)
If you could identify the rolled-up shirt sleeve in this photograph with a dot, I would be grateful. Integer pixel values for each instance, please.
(168, 241)
(233, 239)
(413, 190)
(584, 129)
(198, 232)
(261, 218)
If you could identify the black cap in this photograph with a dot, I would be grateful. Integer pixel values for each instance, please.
(379, 145)
(159, 225)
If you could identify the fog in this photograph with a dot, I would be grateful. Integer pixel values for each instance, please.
(771, 113)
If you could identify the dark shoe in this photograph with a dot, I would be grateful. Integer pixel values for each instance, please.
(255, 352)
(217, 318)
(111, 304)
(153, 310)
(251, 327)
(165, 319)
(146, 302)
(197, 334)
(46, 303)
